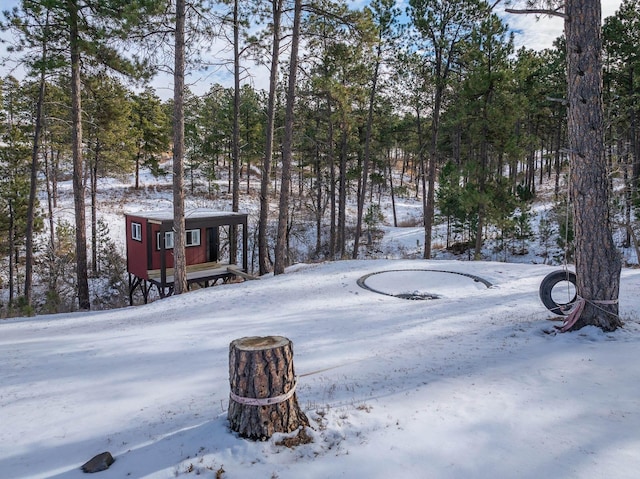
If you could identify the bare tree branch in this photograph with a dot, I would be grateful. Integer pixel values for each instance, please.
(539, 11)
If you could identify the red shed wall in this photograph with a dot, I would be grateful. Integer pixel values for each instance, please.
(155, 253)
(137, 250)
(194, 254)
(197, 254)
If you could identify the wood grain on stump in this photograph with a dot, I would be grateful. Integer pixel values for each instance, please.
(262, 380)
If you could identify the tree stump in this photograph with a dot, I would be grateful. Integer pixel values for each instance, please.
(262, 379)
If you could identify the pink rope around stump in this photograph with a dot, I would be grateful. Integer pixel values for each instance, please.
(263, 401)
(572, 318)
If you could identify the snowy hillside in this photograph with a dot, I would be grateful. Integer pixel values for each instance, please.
(469, 385)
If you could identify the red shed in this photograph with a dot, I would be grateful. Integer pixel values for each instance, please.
(150, 249)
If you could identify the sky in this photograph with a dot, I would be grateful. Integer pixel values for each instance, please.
(538, 34)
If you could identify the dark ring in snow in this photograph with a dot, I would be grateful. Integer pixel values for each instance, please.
(546, 288)
(362, 283)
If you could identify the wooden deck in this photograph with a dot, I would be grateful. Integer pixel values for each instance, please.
(194, 272)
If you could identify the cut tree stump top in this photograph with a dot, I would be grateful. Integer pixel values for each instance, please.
(256, 343)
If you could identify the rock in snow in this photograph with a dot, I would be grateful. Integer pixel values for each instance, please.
(98, 463)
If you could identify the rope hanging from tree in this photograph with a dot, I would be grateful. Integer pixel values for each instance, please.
(579, 302)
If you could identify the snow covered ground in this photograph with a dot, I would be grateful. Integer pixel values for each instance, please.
(469, 385)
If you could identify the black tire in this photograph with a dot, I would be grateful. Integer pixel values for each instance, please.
(546, 288)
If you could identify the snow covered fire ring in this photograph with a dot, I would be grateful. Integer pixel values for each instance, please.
(422, 284)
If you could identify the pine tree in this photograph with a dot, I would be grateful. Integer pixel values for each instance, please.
(151, 129)
(86, 32)
(442, 25)
(598, 263)
(15, 163)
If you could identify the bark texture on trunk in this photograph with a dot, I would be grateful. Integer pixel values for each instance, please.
(262, 379)
(33, 183)
(598, 263)
(179, 234)
(281, 253)
(78, 163)
(235, 174)
(264, 262)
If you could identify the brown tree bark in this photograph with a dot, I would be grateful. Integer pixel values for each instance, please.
(235, 156)
(281, 252)
(78, 170)
(331, 161)
(262, 380)
(367, 149)
(179, 234)
(264, 262)
(598, 263)
(33, 182)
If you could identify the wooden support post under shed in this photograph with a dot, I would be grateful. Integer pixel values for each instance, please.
(262, 379)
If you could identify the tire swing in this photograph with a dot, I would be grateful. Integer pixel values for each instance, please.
(551, 288)
(560, 284)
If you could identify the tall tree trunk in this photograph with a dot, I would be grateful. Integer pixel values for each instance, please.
(431, 175)
(12, 240)
(342, 192)
(367, 151)
(94, 212)
(332, 177)
(33, 181)
(557, 161)
(628, 190)
(264, 263)
(482, 180)
(598, 263)
(179, 235)
(55, 168)
(633, 130)
(482, 211)
(319, 190)
(287, 147)
(137, 173)
(421, 177)
(390, 161)
(78, 183)
(48, 173)
(235, 186)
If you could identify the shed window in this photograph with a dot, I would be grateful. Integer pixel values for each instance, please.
(168, 240)
(193, 238)
(136, 231)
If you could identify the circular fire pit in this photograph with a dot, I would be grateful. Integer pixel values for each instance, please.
(422, 284)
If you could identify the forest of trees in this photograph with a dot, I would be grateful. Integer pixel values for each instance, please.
(433, 102)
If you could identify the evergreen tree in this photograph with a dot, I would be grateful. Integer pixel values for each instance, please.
(276, 31)
(108, 138)
(15, 163)
(287, 147)
(488, 107)
(87, 33)
(442, 27)
(621, 37)
(384, 16)
(151, 130)
(598, 263)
